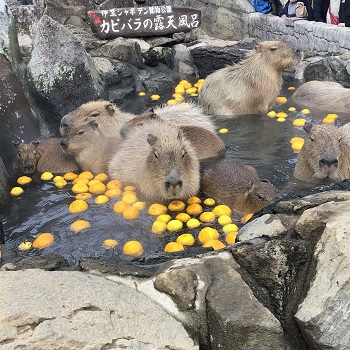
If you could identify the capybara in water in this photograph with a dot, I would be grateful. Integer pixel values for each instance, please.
(324, 157)
(205, 143)
(252, 85)
(159, 161)
(45, 155)
(89, 147)
(323, 95)
(111, 118)
(238, 186)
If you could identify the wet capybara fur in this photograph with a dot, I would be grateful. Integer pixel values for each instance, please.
(159, 161)
(323, 95)
(110, 118)
(252, 85)
(206, 144)
(324, 157)
(91, 149)
(44, 155)
(238, 186)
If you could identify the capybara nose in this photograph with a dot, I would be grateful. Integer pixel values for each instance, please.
(63, 143)
(28, 167)
(323, 162)
(173, 184)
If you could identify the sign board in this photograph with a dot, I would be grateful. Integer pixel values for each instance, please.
(143, 21)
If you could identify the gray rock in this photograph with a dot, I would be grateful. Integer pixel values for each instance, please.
(183, 62)
(61, 71)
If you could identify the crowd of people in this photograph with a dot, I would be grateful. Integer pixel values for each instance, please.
(335, 12)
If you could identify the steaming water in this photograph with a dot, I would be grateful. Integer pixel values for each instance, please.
(256, 140)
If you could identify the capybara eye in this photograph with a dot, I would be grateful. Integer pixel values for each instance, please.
(312, 138)
(340, 139)
(34, 153)
(273, 48)
(261, 198)
(139, 124)
(155, 155)
(81, 132)
(19, 154)
(183, 154)
(95, 114)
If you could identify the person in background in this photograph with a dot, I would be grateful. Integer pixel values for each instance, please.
(289, 9)
(344, 13)
(320, 10)
(262, 6)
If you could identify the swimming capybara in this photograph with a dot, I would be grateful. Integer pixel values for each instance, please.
(159, 161)
(324, 157)
(206, 144)
(238, 186)
(45, 155)
(111, 118)
(252, 85)
(323, 95)
(89, 147)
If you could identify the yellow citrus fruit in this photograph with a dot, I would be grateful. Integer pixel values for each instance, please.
(79, 225)
(194, 209)
(78, 206)
(328, 120)
(281, 115)
(207, 233)
(83, 196)
(223, 131)
(296, 139)
(102, 177)
(114, 184)
(231, 237)
(58, 177)
(157, 209)
(222, 209)
(332, 115)
(94, 182)
(214, 243)
(207, 216)
(97, 188)
(171, 102)
(230, 228)
(155, 97)
(224, 220)
(60, 183)
(174, 225)
(193, 223)
(179, 98)
(173, 247)
(80, 188)
(24, 246)
(297, 146)
(292, 109)
(246, 217)
(281, 99)
(133, 248)
(186, 239)
(271, 114)
(129, 198)
(193, 200)
(43, 241)
(46, 176)
(291, 88)
(305, 111)
(281, 120)
(131, 213)
(129, 188)
(16, 191)
(164, 217)
(179, 89)
(120, 206)
(101, 199)
(139, 205)
(128, 192)
(299, 122)
(176, 205)
(80, 180)
(87, 174)
(23, 180)
(109, 243)
(70, 176)
(184, 217)
(114, 192)
(141, 93)
(209, 201)
(158, 226)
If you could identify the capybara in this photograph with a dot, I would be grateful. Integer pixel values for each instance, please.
(111, 118)
(323, 95)
(238, 186)
(159, 161)
(324, 157)
(206, 144)
(89, 147)
(252, 85)
(45, 155)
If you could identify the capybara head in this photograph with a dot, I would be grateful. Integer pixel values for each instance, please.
(27, 156)
(278, 54)
(86, 113)
(324, 157)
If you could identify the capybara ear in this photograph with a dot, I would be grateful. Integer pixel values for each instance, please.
(35, 142)
(151, 139)
(265, 180)
(110, 109)
(307, 127)
(16, 143)
(150, 110)
(179, 135)
(93, 125)
(154, 116)
(258, 48)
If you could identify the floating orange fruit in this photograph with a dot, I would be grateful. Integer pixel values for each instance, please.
(193, 200)
(157, 209)
(158, 226)
(222, 209)
(129, 198)
(184, 217)
(16, 191)
(101, 176)
(299, 122)
(23, 180)
(83, 196)
(214, 243)
(133, 248)
(174, 225)
(79, 225)
(87, 174)
(131, 213)
(207, 217)
(80, 188)
(46, 176)
(78, 206)
(186, 239)
(164, 217)
(207, 233)
(231, 237)
(101, 199)
(80, 180)
(43, 241)
(209, 201)
(114, 184)
(60, 183)
(230, 228)
(139, 205)
(97, 188)
(120, 206)
(281, 99)
(114, 192)
(70, 176)
(172, 247)
(109, 243)
(224, 220)
(176, 205)
(246, 217)
(193, 223)
(194, 209)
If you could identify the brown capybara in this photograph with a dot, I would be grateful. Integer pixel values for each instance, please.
(159, 161)
(324, 157)
(206, 144)
(323, 95)
(238, 186)
(45, 155)
(89, 147)
(110, 118)
(252, 85)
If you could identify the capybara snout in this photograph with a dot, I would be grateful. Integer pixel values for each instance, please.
(27, 156)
